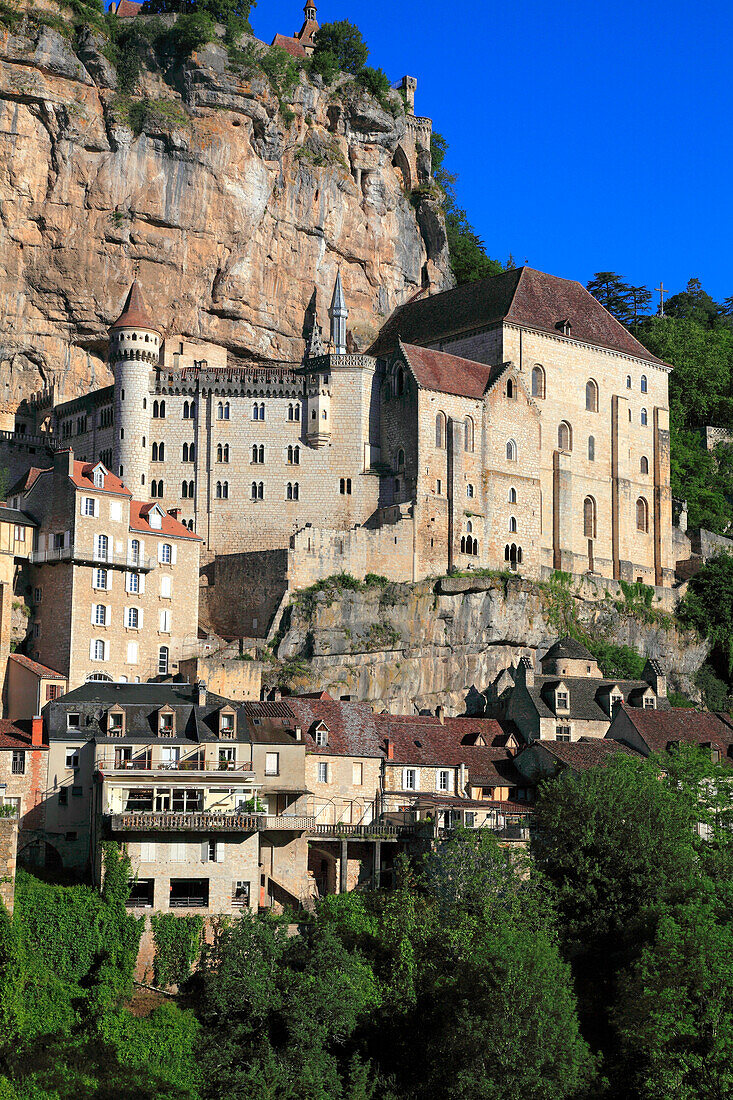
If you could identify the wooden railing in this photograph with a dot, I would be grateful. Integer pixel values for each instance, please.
(375, 831)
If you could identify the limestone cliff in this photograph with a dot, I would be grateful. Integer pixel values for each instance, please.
(230, 206)
(408, 647)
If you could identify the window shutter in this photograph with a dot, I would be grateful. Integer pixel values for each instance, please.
(108, 615)
(141, 581)
(106, 651)
(94, 610)
(160, 551)
(174, 550)
(91, 650)
(205, 852)
(140, 618)
(220, 851)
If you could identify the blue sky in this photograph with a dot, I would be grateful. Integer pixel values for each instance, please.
(586, 137)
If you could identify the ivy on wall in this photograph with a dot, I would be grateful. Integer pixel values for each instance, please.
(177, 947)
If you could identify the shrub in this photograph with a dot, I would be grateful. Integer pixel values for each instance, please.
(376, 83)
(344, 42)
(192, 31)
(177, 946)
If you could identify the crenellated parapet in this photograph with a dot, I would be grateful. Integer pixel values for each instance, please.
(267, 380)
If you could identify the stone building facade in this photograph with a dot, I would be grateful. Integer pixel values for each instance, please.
(512, 423)
(114, 580)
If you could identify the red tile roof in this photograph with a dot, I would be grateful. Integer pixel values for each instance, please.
(16, 735)
(291, 45)
(586, 753)
(662, 728)
(139, 510)
(424, 740)
(127, 8)
(353, 728)
(33, 666)
(135, 313)
(437, 370)
(82, 478)
(25, 482)
(525, 297)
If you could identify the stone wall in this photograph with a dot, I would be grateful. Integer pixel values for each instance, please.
(8, 855)
(240, 593)
(229, 674)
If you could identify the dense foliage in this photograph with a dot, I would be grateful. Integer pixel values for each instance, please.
(339, 47)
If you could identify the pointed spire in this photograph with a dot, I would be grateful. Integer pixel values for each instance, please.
(314, 346)
(338, 314)
(135, 312)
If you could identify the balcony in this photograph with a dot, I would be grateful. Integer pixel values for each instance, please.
(108, 766)
(375, 831)
(78, 555)
(202, 821)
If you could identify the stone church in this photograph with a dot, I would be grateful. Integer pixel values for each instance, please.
(508, 424)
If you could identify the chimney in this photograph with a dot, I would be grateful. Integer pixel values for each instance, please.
(440, 714)
(175, 512)
(201, 693)
(37, 731)
(525, 672)
(390, 748)
(278, 696)
(63, 462)
(298, 733)
(655, 676)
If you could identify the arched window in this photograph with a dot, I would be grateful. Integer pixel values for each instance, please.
(163, 660)
(161, 452)
(218, 490)
(226, 410)
(589, 518)
(469, 491)
(643, 417)
(642, 515)
(289, 491)
(468, 434)
(219, 453)
(184, 489)
(440, 424)
(512, 496)
(510, 391)
(166, 553)
(190, 490)
(260, 490)
(400, 459)
(135, 552)
(254, 452)
(220, 410)
(513, 524)
(155, 452)
(628, 381)
(399, 382)
(463, 544)
(155, 410)
(185, 410)
(290, 456)
(469, 527)
(644, 387)
(225, 490)
(291, 412)
(538, 381)
(564, 437)
(253, 493)
(511, 451)
(296, 456)
(160, 488)
(591, 448)
(184, 455)
(644, 465)
(98, 649)
(191, 452)
(153, 488)
(591, 396)
(226, 452)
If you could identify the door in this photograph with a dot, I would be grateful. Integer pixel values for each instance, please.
(169, 757)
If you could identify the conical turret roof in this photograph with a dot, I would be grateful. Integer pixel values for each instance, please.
(338, 302)
(135, 312)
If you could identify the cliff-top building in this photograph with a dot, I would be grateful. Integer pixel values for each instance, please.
(511, 423)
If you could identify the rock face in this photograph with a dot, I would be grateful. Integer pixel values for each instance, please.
(408, 647)
(229, 213)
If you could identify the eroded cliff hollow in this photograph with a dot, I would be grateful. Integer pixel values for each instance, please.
(414, 646)
(229, 205)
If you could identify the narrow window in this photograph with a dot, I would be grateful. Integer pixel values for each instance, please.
(511, 451)
(512, 496)
(644, 464)
(440, 431)
(642, 515)
(467, 434)
(643, 384)
(564, 437)
(643, 417)
(589, 518)
(591, 448)
(538, 381)
(512, 524)
(591, 396)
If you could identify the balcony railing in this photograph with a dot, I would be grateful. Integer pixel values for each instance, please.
(375, 831)
(84, 556)
(187, 764)
(202, 821)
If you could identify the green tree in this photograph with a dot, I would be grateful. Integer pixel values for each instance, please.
(675, 1010)
(624, 301)
(469, 259)
(220, 10)
(694, 304)
(343, 42)
(192, 31)
(708, 607)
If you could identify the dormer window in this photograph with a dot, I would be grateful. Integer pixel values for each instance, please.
(226, 724)
(615, 702)
(98, 477)
(562, 700)
(650, 703)
(166, 723)
(321, 735)
(115, 723)
(155, 518)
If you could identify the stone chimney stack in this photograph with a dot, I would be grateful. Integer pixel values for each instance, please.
(525, 672)
(440, 714)
(656, 677)
(201, 693)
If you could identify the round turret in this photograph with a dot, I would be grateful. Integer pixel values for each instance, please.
(134, 350)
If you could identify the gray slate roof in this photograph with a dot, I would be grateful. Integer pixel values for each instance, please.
(570, 648)
(586, 694)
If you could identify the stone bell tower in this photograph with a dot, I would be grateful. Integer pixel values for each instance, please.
(134, 350)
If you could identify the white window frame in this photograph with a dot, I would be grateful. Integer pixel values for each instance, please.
(85, 509)
(415, 774)
(269, 757)
(322, 771)
(71, 760)
(443, 774)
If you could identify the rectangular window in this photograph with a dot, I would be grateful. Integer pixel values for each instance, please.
(444, 781)
(438, 487)
(165, 622)
(18, 764)
(73, 721)
(53, 691)
(89, 506)
(562, 733)
(147, 851)
(63, 796)
(115, 510)
(562, 700)
(77, 792)
(165, 587)
(72, 758)
(357, 777)
(37, 595)
(19, 533)
(177, 852)
(470, 819)
(189, 893)
(132, 653)
(272, 763)
(213, 851)
(323, 773)
(650, 704)
(409, 779)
